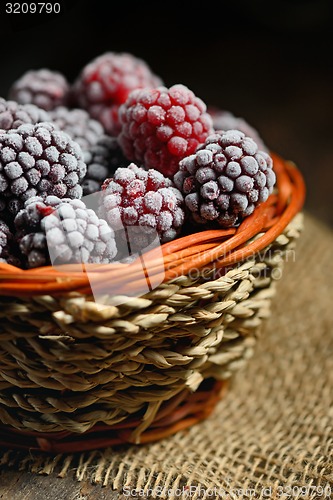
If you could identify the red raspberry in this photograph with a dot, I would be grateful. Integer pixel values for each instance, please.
(161, 126)
(145, 200)
(105, 83)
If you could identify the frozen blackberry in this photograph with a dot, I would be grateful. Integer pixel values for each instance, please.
(224, 120)
(78, 124)
(145, 200)
(66, 226)
(225, 179)
(161, 126)
(45, 88)
(7, 246)
(102, 160)
(5, 238)
(106, 82)
(12, 114)
(38, 160)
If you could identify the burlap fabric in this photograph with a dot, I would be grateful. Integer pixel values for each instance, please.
(270, 437)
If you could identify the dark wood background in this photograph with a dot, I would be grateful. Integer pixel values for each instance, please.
(269, 62)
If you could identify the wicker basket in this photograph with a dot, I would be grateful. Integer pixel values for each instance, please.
(76, 374)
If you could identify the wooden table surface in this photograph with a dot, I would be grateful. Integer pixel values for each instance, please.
(26, 486)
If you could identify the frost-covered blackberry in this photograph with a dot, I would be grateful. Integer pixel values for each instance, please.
(73, 232)
(145, 200)
(7, 246)
(225, 179)
(104, 84)
(78, 124)
(45, 88)
(12, 114)
(102, 160)
(38, 160)
(224, 120)
(5, 237)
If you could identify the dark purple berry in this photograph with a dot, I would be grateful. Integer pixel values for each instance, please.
(12, 114)
(45, 88)
(38, 160)
(78, 124)
(74, 233)
(8, 251)
(224, 120)
(225, 179)
(102, 160)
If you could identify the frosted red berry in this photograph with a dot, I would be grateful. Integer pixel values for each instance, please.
(161, 126)
(105, 83)
(45, 88)
(146, 200)
(225, 179)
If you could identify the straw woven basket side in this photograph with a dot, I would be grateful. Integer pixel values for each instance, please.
(72, 369)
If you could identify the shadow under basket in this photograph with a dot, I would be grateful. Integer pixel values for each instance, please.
(79, 374)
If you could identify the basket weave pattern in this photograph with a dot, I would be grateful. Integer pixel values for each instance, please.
(69, 364)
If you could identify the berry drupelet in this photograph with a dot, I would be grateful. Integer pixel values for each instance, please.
(225, 179)
(102, 161)
(66, 226)
(12, 114)
(105, 83)
(145, 200)
(161, 126)
(38, 160)
(78, 124)
(45, 88)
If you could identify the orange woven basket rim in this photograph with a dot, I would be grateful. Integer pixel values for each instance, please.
(217, 248)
